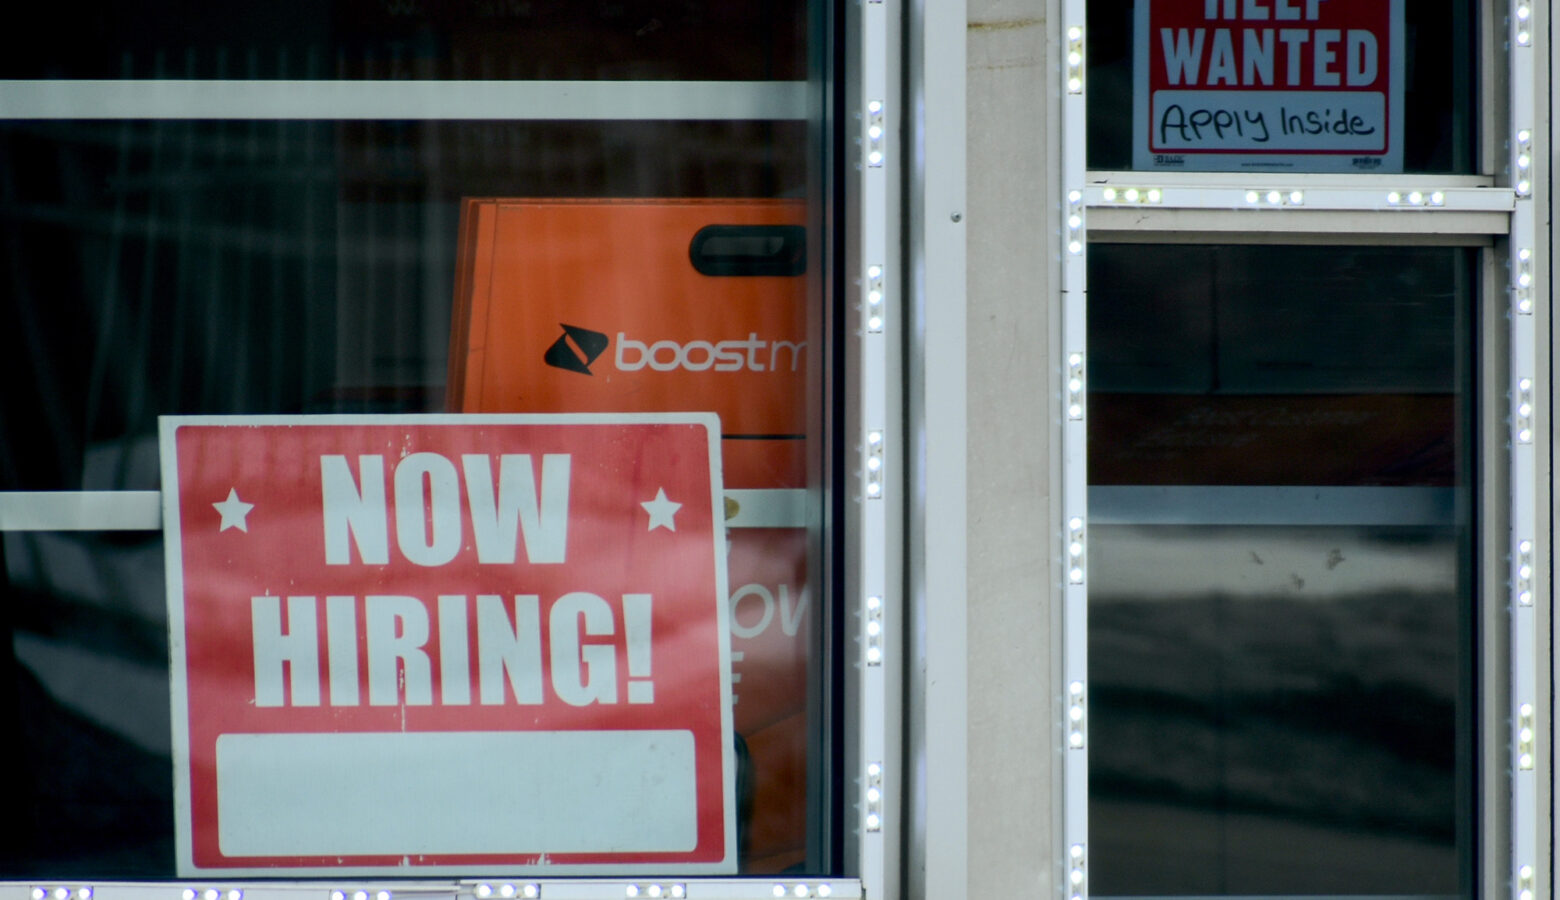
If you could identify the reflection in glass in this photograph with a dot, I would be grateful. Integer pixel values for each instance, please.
(1438, 82)
(1280, 601)
(301, 267)
(306, 267)
(411, 39)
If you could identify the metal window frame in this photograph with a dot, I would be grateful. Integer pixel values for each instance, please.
(874, 441)
(875, 477)
(937, 683)
(465, 889)
(1500, 209)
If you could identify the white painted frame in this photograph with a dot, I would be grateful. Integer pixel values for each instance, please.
(875, 446)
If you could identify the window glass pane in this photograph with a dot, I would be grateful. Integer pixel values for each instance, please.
(1281, 600)
(1236, 85)
(85, 701)
(421, 39)
(239, 267)
(245, 267)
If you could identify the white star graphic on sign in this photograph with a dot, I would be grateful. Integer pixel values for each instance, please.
(661, 511)
(233, 512)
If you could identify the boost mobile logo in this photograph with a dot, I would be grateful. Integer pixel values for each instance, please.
(578, 347)
(575, 349)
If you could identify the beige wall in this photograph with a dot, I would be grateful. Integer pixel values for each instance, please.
(1012, 324)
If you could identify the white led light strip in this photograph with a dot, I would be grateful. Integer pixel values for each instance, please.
(1072, 531)
(561, 889)
(1526, 398)
(1278, 195)
(874, 320)
(508, 890)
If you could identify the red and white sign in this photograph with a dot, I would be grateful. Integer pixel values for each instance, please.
(441, 644)
(1268, 85)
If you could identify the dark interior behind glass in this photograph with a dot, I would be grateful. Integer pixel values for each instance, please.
(1281, 600)
(417, 39)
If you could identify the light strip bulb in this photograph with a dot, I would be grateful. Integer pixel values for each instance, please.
(1524, 579)
(872, 793)
(1525, 736)
(1522, 412)
(1075, 222)
(1075, 551)
(874, 465)
(1075, 386)
(876, 133)
(873, 631)
(1077, 874)
(1523, 164)
(1075, 60)
(874, 304)
(1077, 716)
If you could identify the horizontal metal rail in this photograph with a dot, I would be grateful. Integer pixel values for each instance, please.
(1271, 505)
(142, 510)
(214, 887)
(301, 99)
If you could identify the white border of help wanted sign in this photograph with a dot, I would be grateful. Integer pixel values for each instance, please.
(1280, 158)
(173, 560)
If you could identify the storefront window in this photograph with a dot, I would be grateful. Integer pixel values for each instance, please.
(1281, 608)
(471, 263)
(1281, 87)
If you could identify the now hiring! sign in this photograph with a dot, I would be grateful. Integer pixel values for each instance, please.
(428, 644)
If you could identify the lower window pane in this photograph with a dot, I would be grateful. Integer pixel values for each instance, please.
(307, 268)
(84, 699)
(1281, 603)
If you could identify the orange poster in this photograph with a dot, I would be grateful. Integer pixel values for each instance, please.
(687, 306)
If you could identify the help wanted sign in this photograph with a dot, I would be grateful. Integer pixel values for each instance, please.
(1268, 85)
(434, 644)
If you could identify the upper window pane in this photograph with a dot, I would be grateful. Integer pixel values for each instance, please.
(1360, 86)
(378, 39)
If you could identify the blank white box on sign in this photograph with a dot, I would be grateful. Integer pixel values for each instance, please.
(456, 792)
